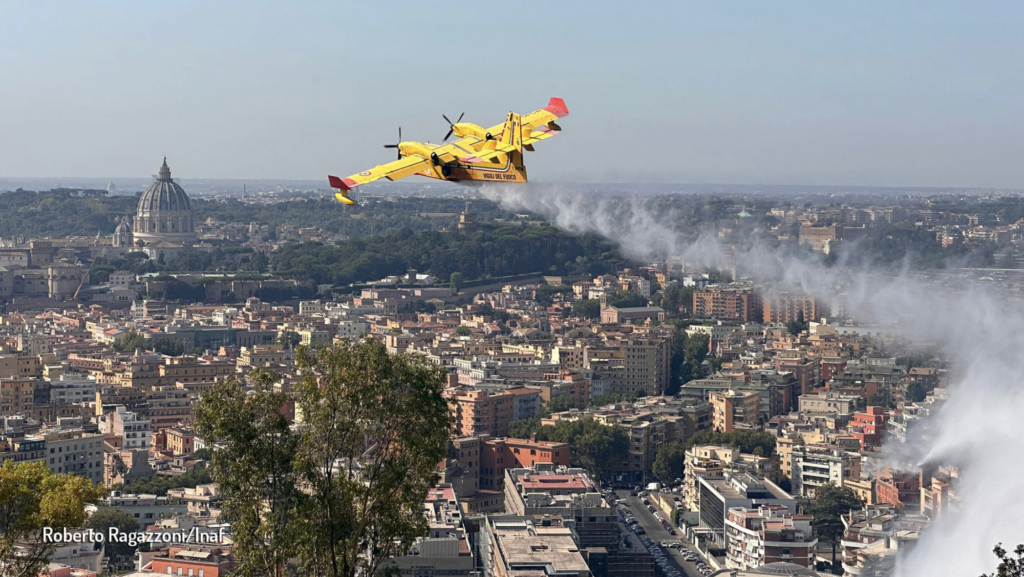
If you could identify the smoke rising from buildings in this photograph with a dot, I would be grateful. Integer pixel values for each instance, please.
(980, 427)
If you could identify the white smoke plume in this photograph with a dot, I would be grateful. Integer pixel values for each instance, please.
(981, 427)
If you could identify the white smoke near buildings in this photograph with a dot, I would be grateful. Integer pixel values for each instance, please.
(981, 427)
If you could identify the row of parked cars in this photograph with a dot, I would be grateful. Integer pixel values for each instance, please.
(668, 569)
(658, 550)
(630, 520)
(689, 556)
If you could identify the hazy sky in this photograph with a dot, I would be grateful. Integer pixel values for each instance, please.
(896, 93)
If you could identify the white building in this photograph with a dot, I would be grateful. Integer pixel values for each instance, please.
(72, 391)
(351, 329)
(814, 466)
(134, 430)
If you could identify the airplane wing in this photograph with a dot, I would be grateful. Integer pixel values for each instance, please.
(538, 134)
(553, 111)
(537, 119)
(396, 170)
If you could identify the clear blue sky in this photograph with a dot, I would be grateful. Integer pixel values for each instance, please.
(865, 92)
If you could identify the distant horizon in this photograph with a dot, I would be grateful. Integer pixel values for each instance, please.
(93, 183)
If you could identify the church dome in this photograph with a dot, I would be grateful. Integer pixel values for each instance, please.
(164, 212)
(164, 193)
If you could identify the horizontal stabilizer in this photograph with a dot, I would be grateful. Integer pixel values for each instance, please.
(342, 183)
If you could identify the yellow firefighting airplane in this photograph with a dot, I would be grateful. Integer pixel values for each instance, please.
(476, 155)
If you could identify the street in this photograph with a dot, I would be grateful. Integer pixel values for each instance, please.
(658, 533)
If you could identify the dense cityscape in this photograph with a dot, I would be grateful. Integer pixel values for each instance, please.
(601, 414)
(559, 289)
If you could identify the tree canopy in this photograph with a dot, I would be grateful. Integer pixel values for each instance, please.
(160, 484)
(31, 498)
(627, 299)
(674, 298)
(490, 251)
(586, 309)
(669, 462)
(1009, 566)
(254, 466)
(120, 554)
(915, 392)
(558, 404)
(343, 493)
(831, 503)
(686, 358)
(797, 325)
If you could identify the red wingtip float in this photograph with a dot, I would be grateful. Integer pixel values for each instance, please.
(492, 154)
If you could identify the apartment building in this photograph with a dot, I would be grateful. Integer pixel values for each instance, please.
(817, 465)
(712, 461)
(733, 410)
(805, 371)
(784, 307)
(264, 356)
(634, 365)
(868, 426)
(180, 441)
(69, 390)
(72, 450)
(315, 337)
(22, 366)
(717, 496)
(17, 396)
(168, 408)
(872, 534)
(22, 449)
(768, 534)
(566, 492)
(481, 412)
(829, 402)
(742, 304)
(500, 454)
(134, 430)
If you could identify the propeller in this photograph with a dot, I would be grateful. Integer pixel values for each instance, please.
(396, 145)
(452, 125)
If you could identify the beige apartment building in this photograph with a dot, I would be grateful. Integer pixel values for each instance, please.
(732, 410)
